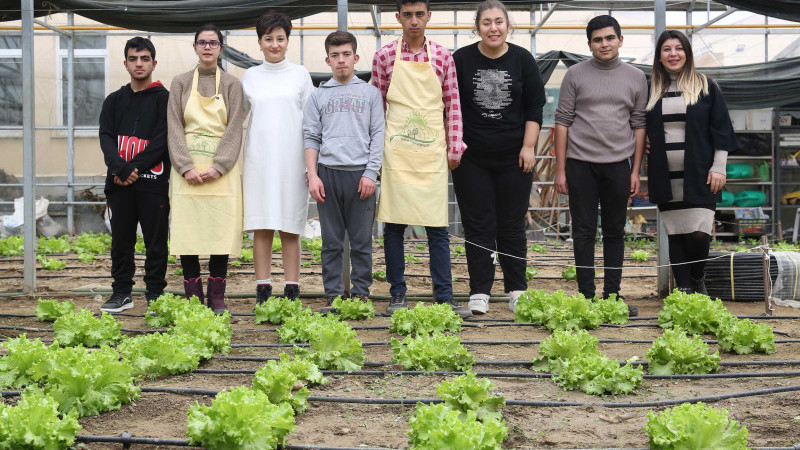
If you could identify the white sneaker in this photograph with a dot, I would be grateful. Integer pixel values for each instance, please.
(479, 303)
(513, 296)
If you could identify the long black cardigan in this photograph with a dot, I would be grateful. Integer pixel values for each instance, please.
(708, 128)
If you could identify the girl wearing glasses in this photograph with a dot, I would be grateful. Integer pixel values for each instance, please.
(276, 196)
(205, 135)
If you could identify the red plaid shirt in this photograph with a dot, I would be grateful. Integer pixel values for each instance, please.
(445, 68)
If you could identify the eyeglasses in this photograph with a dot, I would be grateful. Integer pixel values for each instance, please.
(201, 43)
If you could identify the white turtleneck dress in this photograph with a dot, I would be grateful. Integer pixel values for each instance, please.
(273, 173)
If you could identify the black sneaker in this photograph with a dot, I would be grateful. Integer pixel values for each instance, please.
(462, 311)
(263, 293)
(291, 291)
(398, 301)
(152, 296)
(328, 306)
(632, 310)
(117, 303)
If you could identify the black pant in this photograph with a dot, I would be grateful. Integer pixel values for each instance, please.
(493, 198)
(609, 185)
(127, 208)
(217, 266)
(687, 254)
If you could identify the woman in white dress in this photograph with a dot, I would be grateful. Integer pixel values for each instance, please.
(275, 192)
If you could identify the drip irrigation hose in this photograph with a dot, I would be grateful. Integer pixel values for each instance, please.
(507, 375)
(532, 342)
(126, 439)
(371, 327)
(523, 363)
(414, 401)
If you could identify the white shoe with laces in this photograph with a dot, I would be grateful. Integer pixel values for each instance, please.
(479, 303)
(513, 296)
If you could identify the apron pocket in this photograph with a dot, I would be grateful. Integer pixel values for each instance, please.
(416, 168)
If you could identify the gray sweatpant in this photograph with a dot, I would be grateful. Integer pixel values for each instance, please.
(344, 211)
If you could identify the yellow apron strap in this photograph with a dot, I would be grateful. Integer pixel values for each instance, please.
(733, 293)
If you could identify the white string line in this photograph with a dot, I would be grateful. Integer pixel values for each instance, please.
(540, 263)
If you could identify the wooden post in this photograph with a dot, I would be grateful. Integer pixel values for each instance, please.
(767, 280)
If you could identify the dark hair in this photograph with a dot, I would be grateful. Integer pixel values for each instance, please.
(691, 82)
(210, 27)
(400, 3)
(340, 38)
(138, 44)
(272, 20)
(601, 22)
(490, 4)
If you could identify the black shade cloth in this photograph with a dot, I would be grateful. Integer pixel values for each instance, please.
(183, 16)
(750, 86)
(782, 9)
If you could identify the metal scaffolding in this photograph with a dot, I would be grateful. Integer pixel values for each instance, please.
(376, 30)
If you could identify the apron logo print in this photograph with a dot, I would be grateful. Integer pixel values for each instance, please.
(203, 144)
(417, 131)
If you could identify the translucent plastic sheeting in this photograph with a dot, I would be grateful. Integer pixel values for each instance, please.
(786, 289)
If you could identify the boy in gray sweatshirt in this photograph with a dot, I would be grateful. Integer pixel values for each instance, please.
(343, 126)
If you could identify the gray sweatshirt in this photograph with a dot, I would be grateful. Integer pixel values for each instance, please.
(602, 103)
(345, 124)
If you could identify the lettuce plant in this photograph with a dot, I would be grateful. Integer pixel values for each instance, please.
(240, 418)
(431, 353)
(694, 426)
(675, 353)
(424, 319)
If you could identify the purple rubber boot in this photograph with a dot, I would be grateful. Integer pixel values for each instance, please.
(216, 294)
(194, 286)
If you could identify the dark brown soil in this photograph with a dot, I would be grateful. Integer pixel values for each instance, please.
(771, 419)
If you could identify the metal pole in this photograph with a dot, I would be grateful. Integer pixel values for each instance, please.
(455, 30)
(533, 35)
(660, 9)
(663, 258)
(28, 147)
(661, 17)
(71, 126)
(767, 279)
(341, 9)
(346, 264)
(375, 11)
(302, 44)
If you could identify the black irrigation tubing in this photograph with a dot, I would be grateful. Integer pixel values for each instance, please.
(126, 439)
(782, 374)
(414, 401)
(532, 342)
(525, 363)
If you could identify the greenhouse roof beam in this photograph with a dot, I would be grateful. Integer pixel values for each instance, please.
(711, 22)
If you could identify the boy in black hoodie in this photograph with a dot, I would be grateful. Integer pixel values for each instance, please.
(133, 138)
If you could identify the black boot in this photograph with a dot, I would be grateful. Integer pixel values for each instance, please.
(291, 291)
(699, 286)
(263, 293)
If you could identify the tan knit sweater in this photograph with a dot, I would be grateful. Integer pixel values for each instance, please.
(231, 143)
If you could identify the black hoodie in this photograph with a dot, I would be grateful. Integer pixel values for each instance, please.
(133, 135)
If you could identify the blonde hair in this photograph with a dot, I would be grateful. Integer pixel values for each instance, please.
(690, 82)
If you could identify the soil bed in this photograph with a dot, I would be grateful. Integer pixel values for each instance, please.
(771, 419)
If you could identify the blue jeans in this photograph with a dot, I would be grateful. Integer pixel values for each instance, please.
(438, 249)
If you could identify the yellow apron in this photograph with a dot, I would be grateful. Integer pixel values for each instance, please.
(206, 218)
(414, 172)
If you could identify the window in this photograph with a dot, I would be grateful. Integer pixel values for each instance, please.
(10, 81)
(89, 65)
